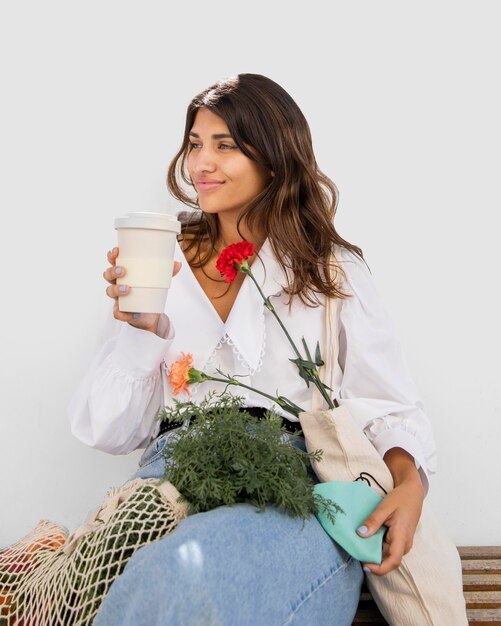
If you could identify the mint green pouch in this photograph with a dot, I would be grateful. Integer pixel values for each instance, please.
(358, 501)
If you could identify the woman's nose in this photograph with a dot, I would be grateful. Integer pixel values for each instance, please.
(204, 160)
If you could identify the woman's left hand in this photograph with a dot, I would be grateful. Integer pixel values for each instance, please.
(400, 511)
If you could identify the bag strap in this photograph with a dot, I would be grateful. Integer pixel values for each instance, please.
(328, 369)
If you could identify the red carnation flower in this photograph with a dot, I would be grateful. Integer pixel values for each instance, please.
(232, 259)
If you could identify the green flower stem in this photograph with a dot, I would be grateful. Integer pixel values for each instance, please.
(270, 307)
(315, 379)
(320, 386)
(286, 404)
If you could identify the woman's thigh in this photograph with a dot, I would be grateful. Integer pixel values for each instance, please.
(236, 566)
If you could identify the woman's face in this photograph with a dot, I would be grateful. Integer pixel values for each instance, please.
(224, 178)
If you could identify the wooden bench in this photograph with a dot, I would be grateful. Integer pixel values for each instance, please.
(481, 585)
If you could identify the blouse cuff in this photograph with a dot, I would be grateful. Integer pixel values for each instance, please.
(140, 352)
(397, 438)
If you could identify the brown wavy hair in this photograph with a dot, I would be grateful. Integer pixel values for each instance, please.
(296, 210)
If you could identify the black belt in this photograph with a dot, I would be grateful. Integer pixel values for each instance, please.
(256, 411)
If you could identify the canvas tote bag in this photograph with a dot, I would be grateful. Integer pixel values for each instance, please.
(426, 590)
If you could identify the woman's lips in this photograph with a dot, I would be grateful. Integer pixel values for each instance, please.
(208, 186)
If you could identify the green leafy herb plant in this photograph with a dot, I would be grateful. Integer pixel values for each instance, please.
(226, 456)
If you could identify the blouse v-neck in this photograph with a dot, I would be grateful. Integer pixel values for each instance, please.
(206, 298)
(200, 329)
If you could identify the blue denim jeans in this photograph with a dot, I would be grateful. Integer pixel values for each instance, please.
(234, 566)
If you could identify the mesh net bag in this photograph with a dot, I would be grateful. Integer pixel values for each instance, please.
(52, 578)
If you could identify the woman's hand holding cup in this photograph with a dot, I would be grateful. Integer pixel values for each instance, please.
(144, 321)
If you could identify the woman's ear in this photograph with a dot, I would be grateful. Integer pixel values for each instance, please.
(272, 172)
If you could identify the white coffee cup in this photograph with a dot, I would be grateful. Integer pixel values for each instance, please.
(146, 243)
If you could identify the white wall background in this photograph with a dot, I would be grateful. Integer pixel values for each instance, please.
(404, 106)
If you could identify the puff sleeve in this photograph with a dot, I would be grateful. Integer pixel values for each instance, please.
(114, 407)
(377, 386)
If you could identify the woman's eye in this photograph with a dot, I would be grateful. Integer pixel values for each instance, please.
(224, 146)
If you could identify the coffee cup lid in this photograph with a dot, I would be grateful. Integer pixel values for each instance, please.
(155, 221)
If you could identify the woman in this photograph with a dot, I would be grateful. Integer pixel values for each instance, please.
(247, 152)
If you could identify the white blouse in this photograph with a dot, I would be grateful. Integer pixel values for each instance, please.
(115, 406)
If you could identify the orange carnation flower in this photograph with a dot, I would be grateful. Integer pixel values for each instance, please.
(179, 374)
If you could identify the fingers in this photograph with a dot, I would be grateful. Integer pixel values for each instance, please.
(397, 539)
(400, 511)
(115, 291)
(392, 547)
(112, 273)
(393, 552)
(125, 317)
(374, 522)
(122, 316)
(144, 321)
(112, 255)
